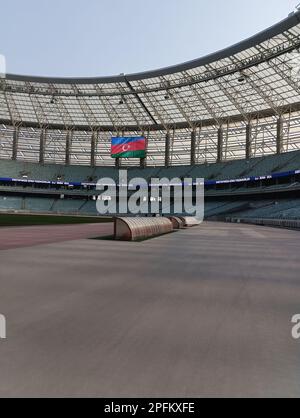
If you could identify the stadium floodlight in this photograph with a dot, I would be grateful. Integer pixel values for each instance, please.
(122, 100)
(168, 94)
(243, 76)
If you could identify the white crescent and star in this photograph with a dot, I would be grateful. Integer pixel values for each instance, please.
(126, 147)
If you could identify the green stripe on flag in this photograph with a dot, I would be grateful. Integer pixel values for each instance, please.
(130, 154)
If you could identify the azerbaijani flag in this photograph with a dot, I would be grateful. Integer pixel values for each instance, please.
(128, 147)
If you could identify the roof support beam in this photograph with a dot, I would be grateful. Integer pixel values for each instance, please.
(193, 147)
(202, 97)
(12, 108)
(155, 106)
(15, 143)
(248, 141)
(143, 161)
(141, 101)
(68, 148)
(42, 145)
(220, 144)
(38, 109)
(280, 136)
(264, 92)
(231, 97)
(85, 108)
(168, 149)
(93, 148)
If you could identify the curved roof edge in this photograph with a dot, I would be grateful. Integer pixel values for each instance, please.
(263, 36)
(295, 107)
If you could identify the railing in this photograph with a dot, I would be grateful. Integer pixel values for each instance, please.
(279, 223)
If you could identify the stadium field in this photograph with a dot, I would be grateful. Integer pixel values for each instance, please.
(31, 220)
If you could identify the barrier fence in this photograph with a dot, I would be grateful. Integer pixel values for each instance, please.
(279, 223)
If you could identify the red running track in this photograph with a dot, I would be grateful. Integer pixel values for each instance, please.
(29, 236)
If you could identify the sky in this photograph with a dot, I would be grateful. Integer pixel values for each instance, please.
(90, 38)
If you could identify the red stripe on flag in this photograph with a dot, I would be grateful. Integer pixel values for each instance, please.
(129, 147)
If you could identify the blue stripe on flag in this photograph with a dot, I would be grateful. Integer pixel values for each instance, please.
(126, 140)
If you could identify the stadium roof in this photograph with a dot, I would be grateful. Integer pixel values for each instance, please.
(252, 79)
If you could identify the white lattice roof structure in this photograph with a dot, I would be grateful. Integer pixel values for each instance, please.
(239, 102)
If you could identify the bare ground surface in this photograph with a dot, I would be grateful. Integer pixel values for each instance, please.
(202, 312)
(28, 236)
